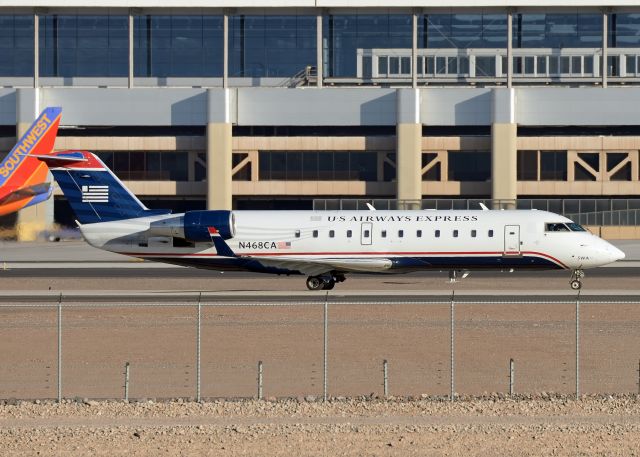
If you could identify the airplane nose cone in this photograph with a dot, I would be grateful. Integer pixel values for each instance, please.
(617, 253)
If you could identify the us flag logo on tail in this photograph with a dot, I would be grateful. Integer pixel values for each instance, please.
(95, 194)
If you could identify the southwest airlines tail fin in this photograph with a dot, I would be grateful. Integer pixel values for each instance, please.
(23, 179)
(93, 191)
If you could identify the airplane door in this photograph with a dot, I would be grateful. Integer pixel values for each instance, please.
(511, 240)
(366, 232)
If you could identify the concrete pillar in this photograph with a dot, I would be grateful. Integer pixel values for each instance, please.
(504, 150)
(408, 149)
(34, 219)
(219, 148)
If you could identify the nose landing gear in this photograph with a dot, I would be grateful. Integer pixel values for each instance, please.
(576, 279)
(324, 282)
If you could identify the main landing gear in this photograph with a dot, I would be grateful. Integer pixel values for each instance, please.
(324, 282)
(576, 279)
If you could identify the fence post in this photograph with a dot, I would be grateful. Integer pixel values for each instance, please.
(126, 382)
(385, 378)
(325, 347)
(198, 348)
(60, 348)
(452, 391)
(260, 380)
(578, 345)
(512, 372)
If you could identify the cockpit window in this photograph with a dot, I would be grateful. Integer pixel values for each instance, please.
(576, 227)
(556, 227)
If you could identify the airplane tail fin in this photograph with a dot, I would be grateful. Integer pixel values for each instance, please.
(93, 191)
(23, 179)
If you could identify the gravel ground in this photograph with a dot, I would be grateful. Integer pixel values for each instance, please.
(553, 425)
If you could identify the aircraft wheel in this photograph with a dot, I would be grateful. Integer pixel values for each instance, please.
(328, 285)
(575, 284)
(314, 283)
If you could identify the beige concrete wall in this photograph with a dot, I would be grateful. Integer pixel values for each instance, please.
(219, 150)
(409, 161)
(504, 162)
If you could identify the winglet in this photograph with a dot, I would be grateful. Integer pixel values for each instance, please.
(371, 207)
(222, 248)
(483, 206)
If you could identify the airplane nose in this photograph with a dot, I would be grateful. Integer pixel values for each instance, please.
(617, 253)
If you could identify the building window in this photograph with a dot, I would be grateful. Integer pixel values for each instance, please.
(437, 233)
(315, 234)
(473, 233)
(490, 233)
(419, 233)
(469, 166)
(297, 233)
(573, 30)
(344, 34)
(553, 165)
(271, 45)
(527, 165)
(16, 45)
(400, 233)
(455, 234)
(317, 166)
(462, 31)
(84, 45)
(178, 46)
(349, 233)
(332, 233)
(147, 165)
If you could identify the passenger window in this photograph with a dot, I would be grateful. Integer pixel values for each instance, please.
(490, 233)
(315, 234)
(419, 233)
(437, 233)
(556, 227)
(400, 233)
(297, 233)
(383, 234)
(366, 234)
(455, 234)
(349, 233)
(473, 233)
(332, 233)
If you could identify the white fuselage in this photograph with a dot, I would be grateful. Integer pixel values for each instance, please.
(384, 241)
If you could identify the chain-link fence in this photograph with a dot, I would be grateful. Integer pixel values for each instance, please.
(321, 346)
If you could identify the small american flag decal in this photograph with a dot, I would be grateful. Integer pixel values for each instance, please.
(95, 194)
(284, 244)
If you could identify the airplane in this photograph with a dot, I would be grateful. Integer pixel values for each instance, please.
(323, 245)
(23, 179)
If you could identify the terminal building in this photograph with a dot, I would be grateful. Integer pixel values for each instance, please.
(274, 104)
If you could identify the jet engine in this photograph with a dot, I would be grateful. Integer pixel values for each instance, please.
(194, 225)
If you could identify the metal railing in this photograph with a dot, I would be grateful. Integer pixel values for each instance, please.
(529, 65)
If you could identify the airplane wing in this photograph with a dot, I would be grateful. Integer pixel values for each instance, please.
(312, 267)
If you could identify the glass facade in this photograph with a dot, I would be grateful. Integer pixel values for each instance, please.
(343, 35)
(178, 46)
(624, 30)
(576, 30)
(16, 45)
(79, 45)
(271, 46)
(462, 31)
